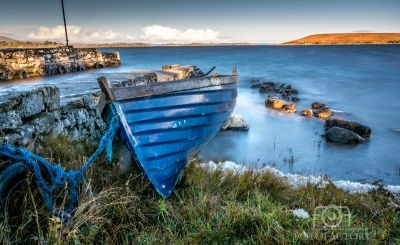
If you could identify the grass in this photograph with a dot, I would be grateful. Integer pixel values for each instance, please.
(206, 208)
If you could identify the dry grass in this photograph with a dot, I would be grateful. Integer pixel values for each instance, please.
(210, 208)
(349, 38)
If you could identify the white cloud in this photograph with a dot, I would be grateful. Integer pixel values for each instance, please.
(157, 33)
(150, 34)
(78, 34)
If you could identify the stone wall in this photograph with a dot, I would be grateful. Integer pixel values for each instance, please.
(30, 116)
(23, 63)
(30, 113)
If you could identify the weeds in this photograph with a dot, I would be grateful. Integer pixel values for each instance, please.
(290, 159)
(205, 208)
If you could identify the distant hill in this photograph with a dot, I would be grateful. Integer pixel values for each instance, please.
(348, 38)
(7, 39)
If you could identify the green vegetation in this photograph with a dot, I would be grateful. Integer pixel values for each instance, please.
(18, 44)
(206, 208)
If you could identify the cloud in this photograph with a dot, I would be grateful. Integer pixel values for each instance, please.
(78, 34)
(157, 33)
(363, 31)
(150, 34)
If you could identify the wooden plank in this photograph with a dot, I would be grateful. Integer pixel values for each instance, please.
(169, 87)
(106, 89)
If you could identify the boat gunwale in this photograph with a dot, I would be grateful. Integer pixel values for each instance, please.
(158, 88)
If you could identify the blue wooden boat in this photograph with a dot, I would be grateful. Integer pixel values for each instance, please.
(165, 123)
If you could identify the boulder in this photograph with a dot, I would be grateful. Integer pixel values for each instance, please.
(235, 123)
(257, 85)
(362, 130)
(343, 136)
(264, 88)
(323, 113)
(317, 105)
(275, 103)
(256, 81)
(295, 99)
(307, 113)
(10, 120)
(289, 108)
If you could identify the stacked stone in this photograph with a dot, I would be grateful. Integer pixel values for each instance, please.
(28, 117)
(22, 63)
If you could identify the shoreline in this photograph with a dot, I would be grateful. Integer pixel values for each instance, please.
(298, 180)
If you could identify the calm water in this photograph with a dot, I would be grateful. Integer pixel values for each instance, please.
(360, 81)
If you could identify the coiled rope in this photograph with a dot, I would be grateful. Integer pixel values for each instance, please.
(58, 176)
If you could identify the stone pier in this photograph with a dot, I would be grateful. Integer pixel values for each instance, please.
(24, 63)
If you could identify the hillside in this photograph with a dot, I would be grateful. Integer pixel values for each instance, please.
(7, 39)
(348, 38)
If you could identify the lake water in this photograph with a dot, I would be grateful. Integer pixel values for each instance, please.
(362, 82)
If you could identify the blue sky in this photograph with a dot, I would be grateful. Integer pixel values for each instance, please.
(183, 21)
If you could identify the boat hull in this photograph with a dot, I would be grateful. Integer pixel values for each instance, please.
(164, 131)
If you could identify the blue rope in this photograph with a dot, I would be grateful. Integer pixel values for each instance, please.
(58, 176)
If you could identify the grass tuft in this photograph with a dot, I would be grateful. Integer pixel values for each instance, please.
(205, 208)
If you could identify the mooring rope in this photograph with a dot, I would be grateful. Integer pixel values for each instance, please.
(58, 176)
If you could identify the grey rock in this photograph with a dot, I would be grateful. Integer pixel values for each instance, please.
(51, 97)
(81, 116)
(10, 138)
(342, 135)
(58, 129)
(92, 115)
(44, 123)
(295, 99)
(75, 103)
(94, 138)
(362, 130)
(10, 120)
(27, 131)
(89, 102)
(68, 120)
(74, 134)
(236, 123)
(101, 125)
(91, 127)
(31, 104)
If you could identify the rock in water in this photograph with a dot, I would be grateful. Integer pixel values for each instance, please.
(362, 130)
(289, 108)
(295, 99)
(275, 103)
(236, 123)
(323, 113)
(307, 113)
(317, 105)
(342, 135)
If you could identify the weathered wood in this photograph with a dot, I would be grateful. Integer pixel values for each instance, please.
(164, 88)
(105, 86)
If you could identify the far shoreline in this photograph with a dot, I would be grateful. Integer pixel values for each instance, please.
(331, 39)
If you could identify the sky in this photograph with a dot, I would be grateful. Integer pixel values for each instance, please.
(185, 21)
